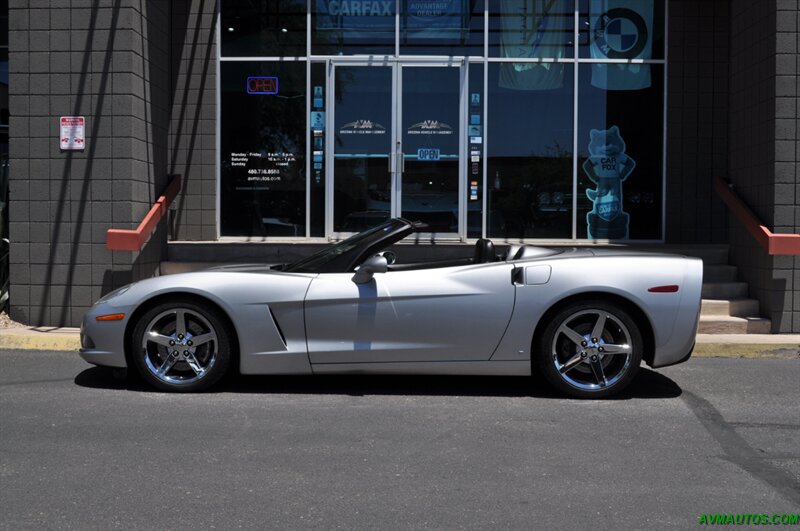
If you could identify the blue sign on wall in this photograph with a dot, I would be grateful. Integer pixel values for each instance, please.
(262, 85)
(359, 19)
(428, 154)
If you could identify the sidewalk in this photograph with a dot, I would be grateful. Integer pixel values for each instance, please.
(782, 346)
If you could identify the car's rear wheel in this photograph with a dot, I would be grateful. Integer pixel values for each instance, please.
(590, 349)
(181, 345)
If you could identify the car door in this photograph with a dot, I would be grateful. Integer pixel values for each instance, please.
(442, 314)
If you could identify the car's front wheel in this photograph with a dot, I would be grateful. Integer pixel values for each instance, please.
(590, 349)
(181, 345)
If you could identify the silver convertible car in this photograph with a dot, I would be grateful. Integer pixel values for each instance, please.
(585, 319)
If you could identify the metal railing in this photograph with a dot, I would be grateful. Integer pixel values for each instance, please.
(134, 240)
(775, 244)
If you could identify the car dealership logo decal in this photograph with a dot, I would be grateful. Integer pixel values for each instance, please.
(430, 127)
(620, 33)
(362, 127)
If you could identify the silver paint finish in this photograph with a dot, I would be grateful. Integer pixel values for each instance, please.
(469, 313)
(538, 274)
(457, 368)
(446, 314)
(672, 316)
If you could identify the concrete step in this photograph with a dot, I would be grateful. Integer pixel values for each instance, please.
(719, 272)
(724, 290)
(729, 307)
(721, 324)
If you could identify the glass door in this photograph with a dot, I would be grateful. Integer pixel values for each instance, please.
(431, 147)
(361, 140)
(396, 139)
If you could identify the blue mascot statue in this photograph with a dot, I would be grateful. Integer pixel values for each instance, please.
(607, 167)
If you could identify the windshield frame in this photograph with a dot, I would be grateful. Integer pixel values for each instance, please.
(344, 256)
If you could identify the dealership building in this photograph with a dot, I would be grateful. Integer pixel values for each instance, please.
(281, 125)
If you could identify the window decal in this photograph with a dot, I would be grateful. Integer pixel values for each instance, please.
(621, 29)
(607, 166)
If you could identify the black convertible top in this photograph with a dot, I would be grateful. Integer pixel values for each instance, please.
(344, 256)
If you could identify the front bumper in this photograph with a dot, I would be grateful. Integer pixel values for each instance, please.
(103, 342)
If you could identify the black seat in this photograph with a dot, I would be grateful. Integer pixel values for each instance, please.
(484, 251)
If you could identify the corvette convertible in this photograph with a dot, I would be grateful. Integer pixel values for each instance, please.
(585, 319)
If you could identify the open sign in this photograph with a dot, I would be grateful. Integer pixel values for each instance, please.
(262, 85)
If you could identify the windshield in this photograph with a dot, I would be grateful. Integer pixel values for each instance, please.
(323, 261)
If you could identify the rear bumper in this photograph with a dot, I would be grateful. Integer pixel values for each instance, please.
(683, 359)
(680, 342)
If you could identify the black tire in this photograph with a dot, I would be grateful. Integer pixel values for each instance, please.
(573, 363)
(171, 360)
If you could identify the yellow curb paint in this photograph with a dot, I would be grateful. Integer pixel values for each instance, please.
(26, 342)
(737, 350)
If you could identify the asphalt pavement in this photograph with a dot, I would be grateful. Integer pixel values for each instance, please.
(80, 449)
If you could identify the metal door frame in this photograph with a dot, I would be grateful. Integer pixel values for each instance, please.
(394, 156)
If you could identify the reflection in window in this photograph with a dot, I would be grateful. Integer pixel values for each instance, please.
(362, 139)
(620, 159)
(275, 28)
(530, 160)
(442, 27)
(622, 29)
(263, 149)
(531, 29)
(342, 27)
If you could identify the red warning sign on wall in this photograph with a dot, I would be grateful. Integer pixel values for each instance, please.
(73, 132)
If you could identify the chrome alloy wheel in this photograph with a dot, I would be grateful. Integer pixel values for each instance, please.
(179, 346)
(592, 349)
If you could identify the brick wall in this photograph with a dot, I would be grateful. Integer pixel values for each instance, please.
(193, 127)
(763, 146)
(697, 119)
(106, 60)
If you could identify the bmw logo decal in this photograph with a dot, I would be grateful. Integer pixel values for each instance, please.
(620, 33)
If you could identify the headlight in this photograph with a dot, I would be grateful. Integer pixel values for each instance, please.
(115, 293)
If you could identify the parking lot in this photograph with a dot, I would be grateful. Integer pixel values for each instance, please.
(81, 449)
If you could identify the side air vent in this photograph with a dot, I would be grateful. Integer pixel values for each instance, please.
(278, 327)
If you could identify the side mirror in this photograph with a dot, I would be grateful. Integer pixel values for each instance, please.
(364, 272)
(390, 257)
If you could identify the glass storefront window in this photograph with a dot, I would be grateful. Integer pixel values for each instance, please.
(347, 27)
(385, 124)
(263, 149)
(362, 138)
(441, 27)
(317, 183)
(620, 155)
(269, 28)
(529, 148)
(475, 188)
(621, 29)
(531, 29)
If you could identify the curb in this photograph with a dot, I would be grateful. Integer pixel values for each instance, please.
(32, 339)
(753, 350)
